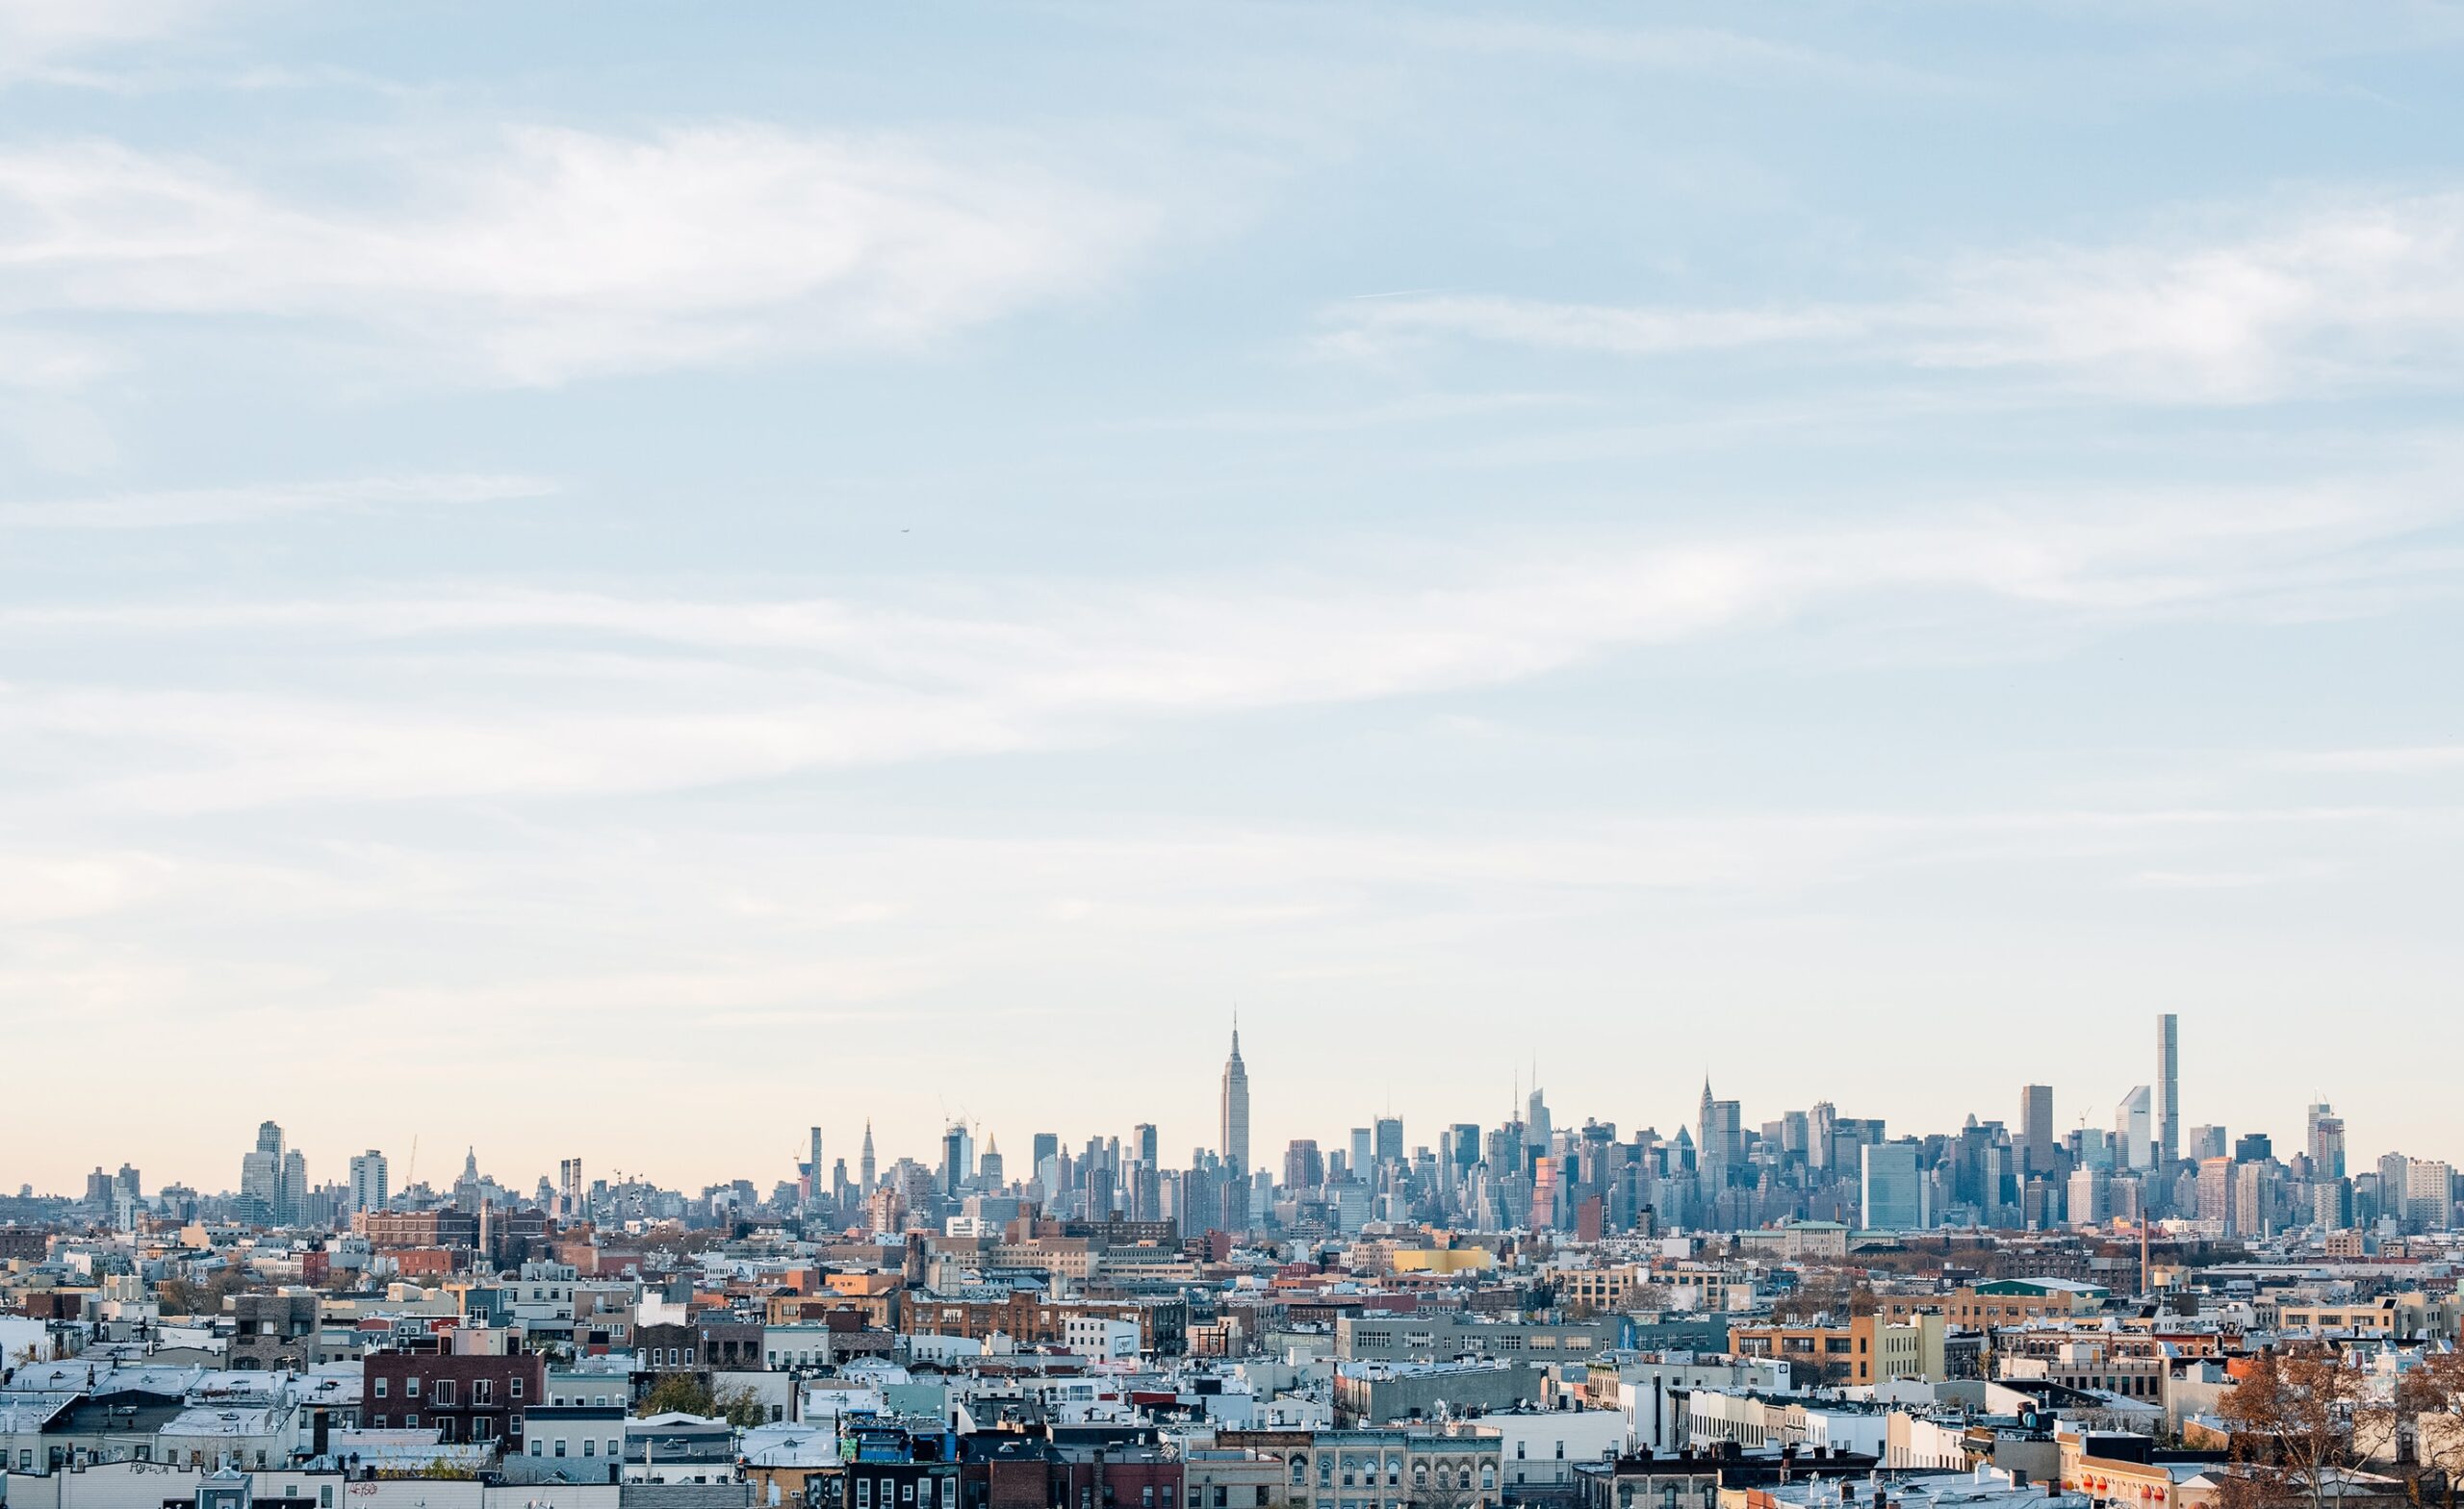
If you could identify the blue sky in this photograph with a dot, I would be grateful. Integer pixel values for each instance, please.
(831, 563)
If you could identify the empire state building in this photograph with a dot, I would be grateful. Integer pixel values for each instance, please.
(1236, 1111)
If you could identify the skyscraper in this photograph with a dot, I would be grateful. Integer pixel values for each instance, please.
(369, 1191)
(958, 1158)
(2216, 1193)
(2135, 1130)
(1390, 1140)
(2429, 1194)
(864, 1167)
(260, 1174)
(1822, 1124)
(1892, 1190)
(1235, 1110)
(2035, 1129)
(2168, 1088)
(2326, 1142)
(1719, 1139)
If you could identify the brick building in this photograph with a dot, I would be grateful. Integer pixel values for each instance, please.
(466, 1397)
(455, 1231)
(1163, 1324)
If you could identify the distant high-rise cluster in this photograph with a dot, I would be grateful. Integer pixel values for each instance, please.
(1534, 1170)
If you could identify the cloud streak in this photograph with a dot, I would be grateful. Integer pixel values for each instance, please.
(542, 254)
(2337, 296)
(570, 693)
(207, 505)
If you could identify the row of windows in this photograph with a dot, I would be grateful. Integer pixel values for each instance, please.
(589, 1447)
(1363, 1473)
(483, 1391)
(895, 1492)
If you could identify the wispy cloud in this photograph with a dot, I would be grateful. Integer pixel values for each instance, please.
(545, 693)
(2394, 759)
(200, 505)
(541, 254)
(2336, 294)
(37, 35)
(1725, 55)
(2299, 873)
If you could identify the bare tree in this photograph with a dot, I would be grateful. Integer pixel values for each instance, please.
(2293, 1418)
(2430, 1399)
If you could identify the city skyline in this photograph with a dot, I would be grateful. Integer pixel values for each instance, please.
(2293, 1130)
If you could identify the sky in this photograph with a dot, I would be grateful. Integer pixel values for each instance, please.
(624, 580)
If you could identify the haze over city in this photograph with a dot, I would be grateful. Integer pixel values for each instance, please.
(652, 580)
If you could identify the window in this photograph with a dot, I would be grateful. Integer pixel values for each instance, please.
(949, 1493)
(907, 1492)
(444, 1392)
(589, 1447)
(1222, 1499)
(863, 1493)
(483, 1391)
(380, 1386)
(411, 1387)
(377, 1422)
(538, 1448)
(561, 1445)
(515, 1388)
(411, 1421)
(325, 1495)
(611, 1445)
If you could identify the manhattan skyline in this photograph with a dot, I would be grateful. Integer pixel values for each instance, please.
(803, 568)
(610, 1150)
